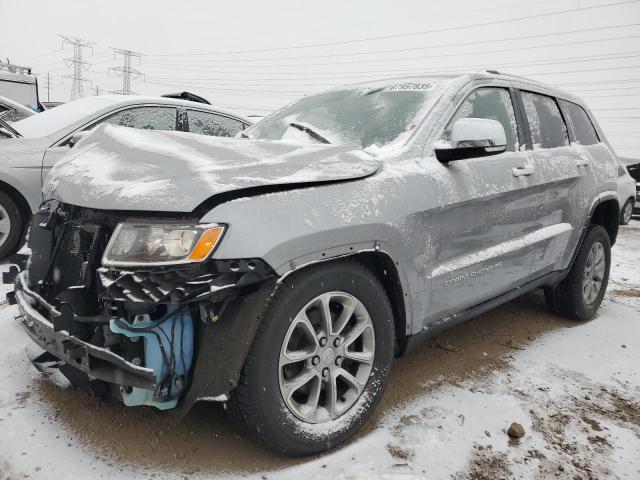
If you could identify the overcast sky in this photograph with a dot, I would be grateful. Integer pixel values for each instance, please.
(217, 49)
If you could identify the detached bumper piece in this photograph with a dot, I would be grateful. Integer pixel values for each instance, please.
(97, 362)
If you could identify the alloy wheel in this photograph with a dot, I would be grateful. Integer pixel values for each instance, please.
(593, 273)
(326, 357)
(5, 225)
(627, 212)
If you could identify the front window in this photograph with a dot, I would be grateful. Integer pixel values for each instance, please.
(493, 103)
(145, 118)
(361, 117)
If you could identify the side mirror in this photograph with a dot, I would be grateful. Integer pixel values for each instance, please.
(76, 137)
(473, 137)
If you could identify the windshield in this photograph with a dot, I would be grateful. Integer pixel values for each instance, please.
(50, 121)
(20, 90)
(358, 117)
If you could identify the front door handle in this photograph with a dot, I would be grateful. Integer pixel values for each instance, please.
(523, 171)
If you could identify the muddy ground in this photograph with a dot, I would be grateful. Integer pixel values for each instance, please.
(206, 441)
(141, 439)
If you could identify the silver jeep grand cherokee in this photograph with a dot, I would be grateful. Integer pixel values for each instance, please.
(281, 272)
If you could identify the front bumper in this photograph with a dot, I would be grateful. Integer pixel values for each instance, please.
(69, 304)
(97, 362)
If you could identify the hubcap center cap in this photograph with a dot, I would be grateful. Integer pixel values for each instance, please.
(328, 356)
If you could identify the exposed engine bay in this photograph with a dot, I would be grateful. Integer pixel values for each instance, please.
(133, 332)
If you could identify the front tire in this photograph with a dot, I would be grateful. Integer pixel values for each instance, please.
(627, 212)
(319, 362)
(580, 294)
(11, 226)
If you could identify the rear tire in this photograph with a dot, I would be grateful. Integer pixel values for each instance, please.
(11, 226)
(580, 294)
(627, 212)
(302, 420)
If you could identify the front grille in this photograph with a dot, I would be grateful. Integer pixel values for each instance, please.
(67, 264)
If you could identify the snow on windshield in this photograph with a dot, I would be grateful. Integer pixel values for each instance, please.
(50, 121)
(361, 117)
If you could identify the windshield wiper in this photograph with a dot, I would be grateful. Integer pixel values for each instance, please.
(309, 132)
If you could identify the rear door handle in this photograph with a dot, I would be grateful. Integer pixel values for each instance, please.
(523, 171)
(582, 162)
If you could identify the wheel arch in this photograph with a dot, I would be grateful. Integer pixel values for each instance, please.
(388, 272)
(21, 201)
(606, 213)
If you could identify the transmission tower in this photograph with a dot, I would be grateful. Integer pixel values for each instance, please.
(126, 71)
(77, 87)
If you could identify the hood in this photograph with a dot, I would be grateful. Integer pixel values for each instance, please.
(119, 168)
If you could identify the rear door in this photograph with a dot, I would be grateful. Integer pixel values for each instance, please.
(209, 123)
(485, 224)
(597, 164)
(559, 169)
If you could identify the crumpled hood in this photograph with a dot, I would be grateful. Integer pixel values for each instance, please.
(119, 168)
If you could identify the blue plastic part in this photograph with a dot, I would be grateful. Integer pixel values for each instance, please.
(178, 328)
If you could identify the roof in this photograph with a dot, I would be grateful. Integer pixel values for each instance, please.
(470, 75)
(71, 115)
(17, 77)
(123, 100)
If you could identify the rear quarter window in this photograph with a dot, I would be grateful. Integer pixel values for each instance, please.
(580, 124)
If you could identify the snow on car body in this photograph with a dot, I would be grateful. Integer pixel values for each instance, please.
(41, 140)
(285, 269)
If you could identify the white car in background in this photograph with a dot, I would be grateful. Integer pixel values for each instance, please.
(11, 111)
(626, 193)
(30, 147)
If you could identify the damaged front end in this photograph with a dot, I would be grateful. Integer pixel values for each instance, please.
(155, 333)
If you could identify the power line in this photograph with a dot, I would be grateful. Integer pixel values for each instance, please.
(612, 95)
(42, 55)
(404, 35)
(598, 82)
(297, 92)
(126, 71)
(599, 89)
(423, 57)
(77, 87)
(460, 71)
(388, 73)
(428, 47)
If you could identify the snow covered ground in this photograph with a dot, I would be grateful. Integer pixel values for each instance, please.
(575, 388)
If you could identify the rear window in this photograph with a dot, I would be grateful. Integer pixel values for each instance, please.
(580, 124)
(545, 121)
(205, 123)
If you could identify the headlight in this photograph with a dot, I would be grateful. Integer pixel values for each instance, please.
(139, 243)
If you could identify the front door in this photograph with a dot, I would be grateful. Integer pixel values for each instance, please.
(484, 225)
